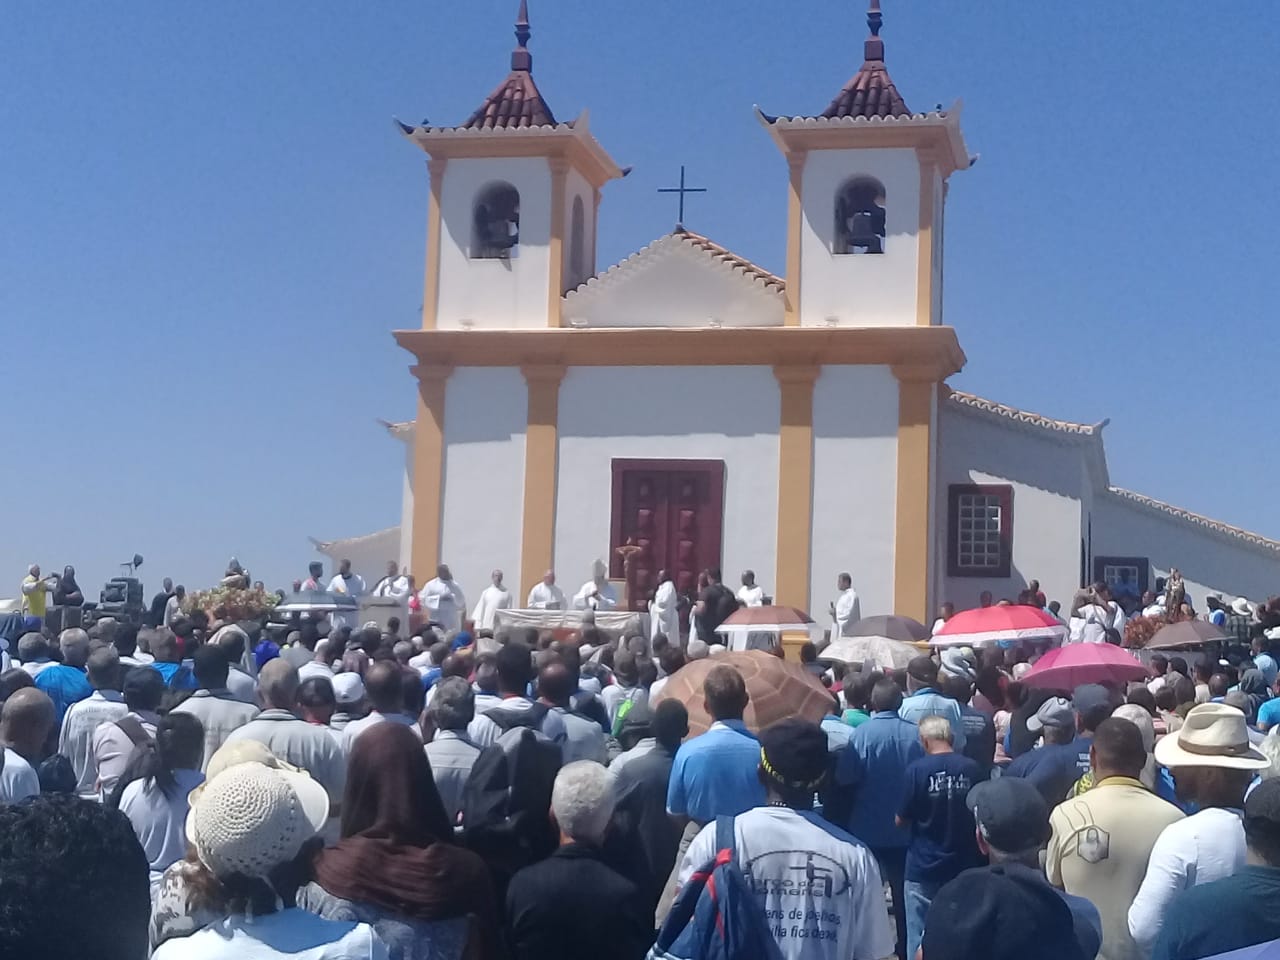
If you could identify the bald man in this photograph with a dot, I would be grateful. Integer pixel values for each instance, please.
(25, 724)
(546, 595)
(305, 745)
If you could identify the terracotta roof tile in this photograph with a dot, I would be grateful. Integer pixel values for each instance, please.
(516, 102)
(728, 256)
(871, 92)
(1026, 417)
(1195, 519)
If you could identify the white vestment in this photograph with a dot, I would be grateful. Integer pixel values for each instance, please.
(664, 612)
(443, 602)
(543, 597)
(848, 612)
(751, 596)
(1092, 622)
(491, 601)
(352, 586)
(397, 587)
(593, 597)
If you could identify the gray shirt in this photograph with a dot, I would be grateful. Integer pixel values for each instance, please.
(242, 686)
(220, 714)
(584, 739)
(451, 754)
(302, 744)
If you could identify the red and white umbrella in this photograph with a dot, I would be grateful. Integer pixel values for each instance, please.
(987, 625)
(1068, 667)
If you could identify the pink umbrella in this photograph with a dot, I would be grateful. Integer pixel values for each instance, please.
(1067, 667)
(987, 625)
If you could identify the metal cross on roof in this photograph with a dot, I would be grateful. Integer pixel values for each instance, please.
(682, 190)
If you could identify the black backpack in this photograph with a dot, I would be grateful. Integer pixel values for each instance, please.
(507, 797)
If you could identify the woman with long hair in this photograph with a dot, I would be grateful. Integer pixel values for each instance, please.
(396, 866)
(153, 791)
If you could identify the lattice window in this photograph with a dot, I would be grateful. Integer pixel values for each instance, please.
(981, 531)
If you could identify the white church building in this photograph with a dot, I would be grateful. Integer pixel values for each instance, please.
(698, 407)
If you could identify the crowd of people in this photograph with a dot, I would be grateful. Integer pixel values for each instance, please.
(197, 789)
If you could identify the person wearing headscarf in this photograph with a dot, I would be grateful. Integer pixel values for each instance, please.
(1254, 686)
(396, 866)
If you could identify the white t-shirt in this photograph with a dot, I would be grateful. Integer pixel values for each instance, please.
(290, 934)
(158, 820)
(751, 596)
(1205, 846)
(18, 779)
(820, 888)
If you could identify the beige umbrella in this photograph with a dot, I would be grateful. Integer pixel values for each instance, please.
(884, 653)
(778, 690)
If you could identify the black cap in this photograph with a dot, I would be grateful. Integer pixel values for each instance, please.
(1011, 814)
(794, 754)
(923, 670)
(1005, 912)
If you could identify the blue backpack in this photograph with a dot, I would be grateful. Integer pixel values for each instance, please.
(716, 916)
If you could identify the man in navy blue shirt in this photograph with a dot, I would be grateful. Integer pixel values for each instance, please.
(873, 768)
(943, 842)
(1063, 759)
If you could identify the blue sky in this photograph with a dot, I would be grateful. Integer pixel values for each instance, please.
(208, 227)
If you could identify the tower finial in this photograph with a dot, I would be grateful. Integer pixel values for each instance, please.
(521, 58)
(874, 47)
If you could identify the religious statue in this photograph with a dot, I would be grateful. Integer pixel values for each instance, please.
(628, 552)
(1175, 592)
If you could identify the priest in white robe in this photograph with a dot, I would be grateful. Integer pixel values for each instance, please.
(495, 597)
(394, 585)
(750, 595)
(597, 593)
(546, 595)
(349, 584)
(442, 599)
(846, 611)
(664, 611)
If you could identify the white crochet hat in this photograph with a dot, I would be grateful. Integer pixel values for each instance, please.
(251, 818)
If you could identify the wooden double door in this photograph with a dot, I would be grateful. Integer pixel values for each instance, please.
(667, 514)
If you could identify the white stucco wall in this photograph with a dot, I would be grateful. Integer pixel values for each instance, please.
(860, 289)
(1046, 476)
(495, 293)
(1209, 562)
(368, 555)
(486, 411)
(671, 283)
(706, 413)
(855, 470)
(406, 508)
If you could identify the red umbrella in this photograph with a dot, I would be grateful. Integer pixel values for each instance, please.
(987, 625)
(1067, 667)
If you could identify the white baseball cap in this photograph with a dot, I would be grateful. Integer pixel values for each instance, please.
(348, 688)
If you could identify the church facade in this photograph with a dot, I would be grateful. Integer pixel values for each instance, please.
(686, 408)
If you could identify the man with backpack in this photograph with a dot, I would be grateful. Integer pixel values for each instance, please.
(818, 887)
(514, 663)
(114, 742)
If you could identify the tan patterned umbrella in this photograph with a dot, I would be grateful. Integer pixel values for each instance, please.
(778, 690)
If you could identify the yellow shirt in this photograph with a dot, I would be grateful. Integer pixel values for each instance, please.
(1101, 842)
(35, 602)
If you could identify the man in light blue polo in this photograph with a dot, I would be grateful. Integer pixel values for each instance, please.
(715, 774)
(924, 700)
(872, 768)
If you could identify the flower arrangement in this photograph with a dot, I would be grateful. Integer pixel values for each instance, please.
(1139, 630)
(231, 603)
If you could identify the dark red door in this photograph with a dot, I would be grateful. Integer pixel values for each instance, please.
(666, 514)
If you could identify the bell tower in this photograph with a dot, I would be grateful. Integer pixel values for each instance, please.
(513, 209)
(867, 182)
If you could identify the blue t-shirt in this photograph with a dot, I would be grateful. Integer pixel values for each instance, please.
(1269, 713)
(65, 685)
(942, 828)
(1053, 768)
(167, 670)
(715, 775)
(873, 767)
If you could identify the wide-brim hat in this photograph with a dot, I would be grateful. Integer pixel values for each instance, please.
(1213, 735)
(1241, 607)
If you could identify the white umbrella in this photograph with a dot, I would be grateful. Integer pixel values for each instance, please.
(884, 652)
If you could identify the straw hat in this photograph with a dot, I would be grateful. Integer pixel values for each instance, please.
(1241, 607)
(253, 813)
(1213, 735)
